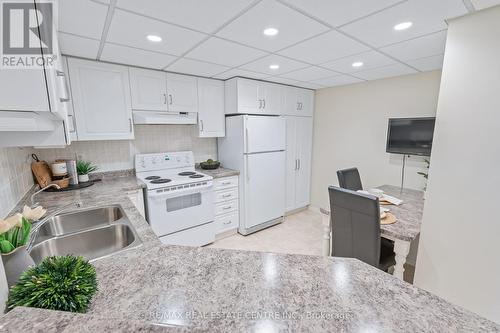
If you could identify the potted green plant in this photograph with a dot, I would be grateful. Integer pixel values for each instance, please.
(14, 235)
(65, 283)
(83, 168)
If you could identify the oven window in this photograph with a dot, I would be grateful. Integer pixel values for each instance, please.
(183, 202)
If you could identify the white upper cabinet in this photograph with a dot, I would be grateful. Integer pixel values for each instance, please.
(23, 90)
(298, 102)
(246, 96)
(148, 89)
(211, 108)
(182, 93)
(101, 100)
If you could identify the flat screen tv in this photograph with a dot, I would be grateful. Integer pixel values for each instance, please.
(410, 136)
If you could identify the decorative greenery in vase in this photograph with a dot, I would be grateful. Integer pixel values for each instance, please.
(65, 283)
(15, 230)
(425, 174)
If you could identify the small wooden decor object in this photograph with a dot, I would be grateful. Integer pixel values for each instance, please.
(388, 219)
(63, 183)
(384, 202)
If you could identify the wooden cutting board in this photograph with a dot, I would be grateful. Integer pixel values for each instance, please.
(42, 173)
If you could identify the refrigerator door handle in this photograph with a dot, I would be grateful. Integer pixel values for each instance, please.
(246, 140)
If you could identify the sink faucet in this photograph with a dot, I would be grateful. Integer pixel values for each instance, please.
(33, 202)
(36, 227)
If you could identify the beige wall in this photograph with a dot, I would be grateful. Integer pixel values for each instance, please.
(458, 257)
(350, 128)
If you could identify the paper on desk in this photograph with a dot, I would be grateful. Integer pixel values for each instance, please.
(392, 200)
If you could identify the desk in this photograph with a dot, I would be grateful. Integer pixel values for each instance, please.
(403, 232)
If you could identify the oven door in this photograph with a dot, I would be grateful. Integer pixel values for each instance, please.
(179, 210)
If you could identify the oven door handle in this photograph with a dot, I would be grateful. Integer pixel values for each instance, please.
(177, 193)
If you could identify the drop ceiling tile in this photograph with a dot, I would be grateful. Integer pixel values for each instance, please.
(370, 60)
(428, 16)
(285, 65)
(329, 46)
(223, 52)
(385, 72)
(131, 30)
(136, 57)
(194, 67)
(282, 80)
(338, 80)
(78, 46)
(482, 4)
(419, 47)
(74, 17)
(337, 13)
(427, 64)
(205, 15)
(310, 85)
(293, 27)
(309, 74)
(240, 72)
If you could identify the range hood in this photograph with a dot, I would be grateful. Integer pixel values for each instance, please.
(162, 117)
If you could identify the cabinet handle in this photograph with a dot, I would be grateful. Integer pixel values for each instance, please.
(260, 104)
(171, 99)
(227, 195)
(298, 106)
(130, 125)
(226, 183)
(60, 73)
(73, 122)
(164, 98)
(298, 160)
(227, 207)
(264, 103)
(228, 222)
(201, 125)
(64, 100)
(296, 164)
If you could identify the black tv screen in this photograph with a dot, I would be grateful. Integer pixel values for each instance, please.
(411, 136)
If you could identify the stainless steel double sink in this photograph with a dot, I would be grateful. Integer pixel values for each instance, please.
(93, 233)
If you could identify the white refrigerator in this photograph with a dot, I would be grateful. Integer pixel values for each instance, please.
(255, 145)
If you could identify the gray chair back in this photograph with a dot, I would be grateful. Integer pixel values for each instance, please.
(355, 225)
(350, 179)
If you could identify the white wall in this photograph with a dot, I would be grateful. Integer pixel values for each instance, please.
(350, 130)
(458, 257)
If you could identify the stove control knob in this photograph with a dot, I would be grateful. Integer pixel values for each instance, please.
(178, 159)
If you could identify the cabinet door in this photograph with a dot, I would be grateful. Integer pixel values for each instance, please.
(291, 104)
(23, 90)
(148, 89)
(304, 134)
(250, 97)
(291, 162)
(182, 93)
(101, 100)
(211, 114)
(305, 102)
(272, 98)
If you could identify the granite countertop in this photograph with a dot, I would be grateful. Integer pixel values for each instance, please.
(408, 214)
(207, 289)
(220, 172)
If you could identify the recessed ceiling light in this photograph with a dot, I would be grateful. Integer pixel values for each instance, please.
(270, 31)
(154, 38)
(274, 66)
(357, 64)
(403, 26)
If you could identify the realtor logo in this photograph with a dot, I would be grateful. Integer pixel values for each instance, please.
(27, 34)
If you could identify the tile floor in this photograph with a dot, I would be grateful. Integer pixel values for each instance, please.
(301, 233)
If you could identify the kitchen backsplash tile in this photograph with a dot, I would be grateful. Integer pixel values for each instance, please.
(15, 177)
(119, 155)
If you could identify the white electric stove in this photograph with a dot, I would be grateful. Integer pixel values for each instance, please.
(179, 201)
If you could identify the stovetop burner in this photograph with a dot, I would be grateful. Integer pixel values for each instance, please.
(187, 173)
(160, 181)
(152, 177)
(196, 176)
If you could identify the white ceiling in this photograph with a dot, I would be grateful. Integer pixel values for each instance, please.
(317, 44)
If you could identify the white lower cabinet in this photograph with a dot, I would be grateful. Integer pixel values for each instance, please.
(299, 133)
(137, 198)
(226, 209)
